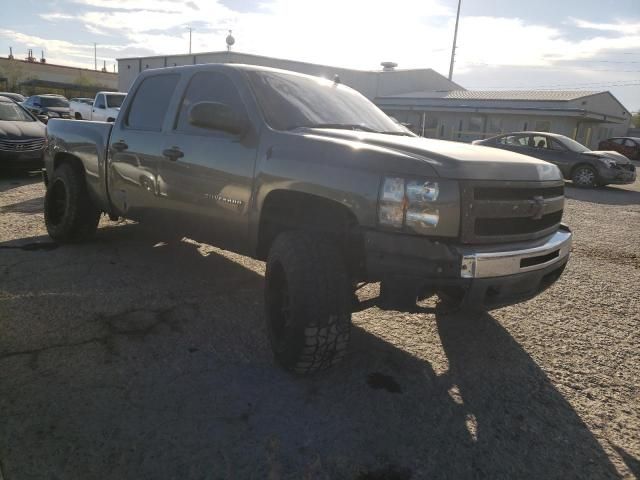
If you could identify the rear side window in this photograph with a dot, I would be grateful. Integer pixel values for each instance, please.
(151, 102)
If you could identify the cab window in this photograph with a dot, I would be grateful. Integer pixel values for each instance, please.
(151, 102)
(207, 87)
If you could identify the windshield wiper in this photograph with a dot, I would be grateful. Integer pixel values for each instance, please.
(341, 126)
(399, 134)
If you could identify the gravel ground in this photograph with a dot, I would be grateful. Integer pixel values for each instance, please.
(129, 357)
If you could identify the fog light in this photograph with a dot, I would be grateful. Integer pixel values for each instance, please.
(468, 267)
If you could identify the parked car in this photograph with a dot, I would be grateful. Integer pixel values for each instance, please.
(105, 107)
(48, 106)
(627, 146)
(585, 168)
(16, 97)
(312, 177)
(22, 137)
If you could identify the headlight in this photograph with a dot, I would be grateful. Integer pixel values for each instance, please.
(392, 202)
(418, 206)
(608, 162)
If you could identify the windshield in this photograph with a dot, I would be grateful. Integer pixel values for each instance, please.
(54, 102)
(11, 112)
(572, 145)
(290, 101)
(115, 101)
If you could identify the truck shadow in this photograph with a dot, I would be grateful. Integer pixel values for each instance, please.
(146, 359)
(10, 179)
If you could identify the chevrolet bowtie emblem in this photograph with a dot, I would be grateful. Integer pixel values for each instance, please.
(537, 207)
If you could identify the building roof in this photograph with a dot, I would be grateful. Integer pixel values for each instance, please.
(534, 95)
(250, 56)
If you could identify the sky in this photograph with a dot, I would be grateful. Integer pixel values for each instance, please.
(502, 44)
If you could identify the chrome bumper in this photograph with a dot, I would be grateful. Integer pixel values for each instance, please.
(498, 264)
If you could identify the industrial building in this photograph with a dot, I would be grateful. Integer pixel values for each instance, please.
(433, 106)
(465, 115)
(34, 76)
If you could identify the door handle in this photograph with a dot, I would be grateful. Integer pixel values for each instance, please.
(119, 146)
(173, 153)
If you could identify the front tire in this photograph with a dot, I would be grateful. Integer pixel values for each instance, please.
(307, 302)
(585, 176)
(69, 213)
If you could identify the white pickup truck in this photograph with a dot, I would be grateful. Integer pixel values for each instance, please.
(105, 107)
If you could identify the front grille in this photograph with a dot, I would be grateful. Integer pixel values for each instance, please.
(516, 193)
(513, 226)
(495, 212)
(628, 166)
(22, 145)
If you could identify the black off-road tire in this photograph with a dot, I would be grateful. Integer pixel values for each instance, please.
(69, 213)
(584, 176)
(307, 302)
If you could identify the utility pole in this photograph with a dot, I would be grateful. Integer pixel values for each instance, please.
(455, 38)
(95, 56)
(190, 29)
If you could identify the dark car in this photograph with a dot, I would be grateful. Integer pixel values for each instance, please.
(16, 97)
(22, 137)
(627, 146)
(585, 168)
(49, 106)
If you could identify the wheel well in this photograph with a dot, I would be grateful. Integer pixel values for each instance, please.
(575, 167)
(111, 119)
(74, 161)
(285, 210)
(78, 116)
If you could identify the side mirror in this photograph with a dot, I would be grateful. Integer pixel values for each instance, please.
(216, 116)
(43, 118)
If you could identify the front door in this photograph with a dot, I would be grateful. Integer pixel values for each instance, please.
(136, 146)
(206, 175)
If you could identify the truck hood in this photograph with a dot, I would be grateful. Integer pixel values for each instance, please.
(21, 130)
(453, 160)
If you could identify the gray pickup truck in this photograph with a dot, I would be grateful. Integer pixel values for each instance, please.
(309, 176)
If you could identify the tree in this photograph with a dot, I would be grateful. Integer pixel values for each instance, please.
(635, 119)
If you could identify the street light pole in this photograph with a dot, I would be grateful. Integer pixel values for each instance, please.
(455, 38)
(190, 29)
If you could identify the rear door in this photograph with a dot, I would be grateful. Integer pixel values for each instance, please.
(207, 177)
(136, 146)
(629, 148)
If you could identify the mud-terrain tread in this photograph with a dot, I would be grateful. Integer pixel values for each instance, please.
(320, 292)
(81, 216)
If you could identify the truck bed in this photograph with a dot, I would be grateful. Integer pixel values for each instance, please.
(88, 141)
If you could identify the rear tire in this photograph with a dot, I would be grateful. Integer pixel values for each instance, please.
(78, 116)
(307, 302)
(584, 176)
(69, 213)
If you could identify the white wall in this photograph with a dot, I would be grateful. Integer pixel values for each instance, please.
(370, 83)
